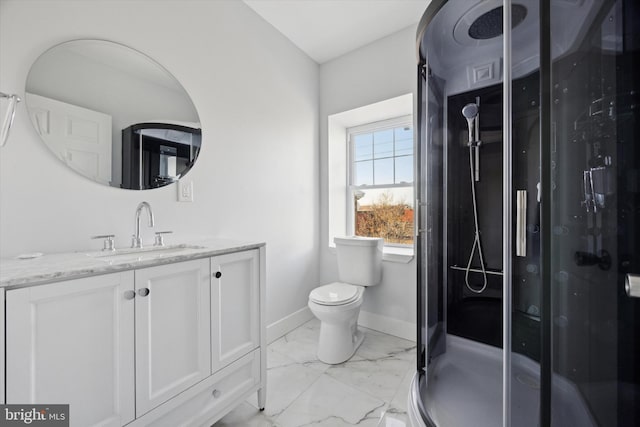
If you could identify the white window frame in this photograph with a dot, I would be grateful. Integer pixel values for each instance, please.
(401, 121)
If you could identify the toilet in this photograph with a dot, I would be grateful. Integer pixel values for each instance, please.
(337, 304)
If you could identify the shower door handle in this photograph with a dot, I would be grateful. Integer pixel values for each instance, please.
(521, 223)
(418, 219)
(632, 285)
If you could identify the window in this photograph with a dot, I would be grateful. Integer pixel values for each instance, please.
(380, 188)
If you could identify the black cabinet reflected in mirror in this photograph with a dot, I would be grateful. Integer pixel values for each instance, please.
(157, 154)
(88, 98)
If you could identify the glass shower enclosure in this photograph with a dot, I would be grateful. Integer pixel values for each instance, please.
(528, 214)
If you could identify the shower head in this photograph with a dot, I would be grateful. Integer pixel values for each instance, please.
(470, 112)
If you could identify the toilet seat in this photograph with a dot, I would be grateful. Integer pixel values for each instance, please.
(336, 293)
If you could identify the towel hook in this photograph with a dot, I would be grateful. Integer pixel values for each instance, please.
(8, 117)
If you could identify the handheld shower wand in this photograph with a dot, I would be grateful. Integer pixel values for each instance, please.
(470, 112)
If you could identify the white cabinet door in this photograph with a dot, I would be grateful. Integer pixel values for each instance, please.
(72, 343)
(172, 331)
(235, 309)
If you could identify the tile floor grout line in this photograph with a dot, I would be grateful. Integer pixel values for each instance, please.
(365, 391)
(298, 396)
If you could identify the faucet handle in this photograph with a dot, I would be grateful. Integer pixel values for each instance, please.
(109, 243)
(136, 242)
(160, 237)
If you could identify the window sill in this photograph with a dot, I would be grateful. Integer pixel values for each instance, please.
(395, 254)
(391, 254)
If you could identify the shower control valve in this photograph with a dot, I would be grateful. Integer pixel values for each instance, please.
(474, 144)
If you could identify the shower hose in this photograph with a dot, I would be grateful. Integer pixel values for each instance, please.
(476, 240)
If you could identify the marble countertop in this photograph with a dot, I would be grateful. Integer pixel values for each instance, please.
(48, 268)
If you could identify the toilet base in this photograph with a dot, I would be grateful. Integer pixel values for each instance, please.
(337, 345)
(339, 334)
(358, 340)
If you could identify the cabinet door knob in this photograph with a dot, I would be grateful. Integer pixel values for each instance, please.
(218, 274)
(216, 393)
(143, 292)
(129, 294)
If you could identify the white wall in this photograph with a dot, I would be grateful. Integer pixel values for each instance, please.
(379, 71)
(257, 97)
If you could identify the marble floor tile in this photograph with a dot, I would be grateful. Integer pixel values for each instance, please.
(392, 418)
(286, 380)
(378, 377)
(377, 344)
(400, 400)
(278, 360)
(312, 324)
(395, 415)
(245, 415)
(331, 403)
(301, 345)
(368, 390)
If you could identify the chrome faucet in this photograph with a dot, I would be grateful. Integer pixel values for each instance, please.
(136, 241)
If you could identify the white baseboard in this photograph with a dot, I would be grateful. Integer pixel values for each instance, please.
(287, 324)
(388, 325)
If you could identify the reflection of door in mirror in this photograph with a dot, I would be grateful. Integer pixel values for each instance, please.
(157, 154)
(80, 137)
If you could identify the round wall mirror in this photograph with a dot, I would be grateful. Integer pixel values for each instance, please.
(113, 114)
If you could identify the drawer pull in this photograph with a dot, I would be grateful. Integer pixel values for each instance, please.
(128, 295)
(216, 393)
(218, 274)
(143, 292)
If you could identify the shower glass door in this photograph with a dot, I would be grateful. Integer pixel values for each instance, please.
(595, 217)
(529, 213)
(462, 147)
(522, 165)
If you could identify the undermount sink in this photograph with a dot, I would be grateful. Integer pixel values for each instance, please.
(142, 253)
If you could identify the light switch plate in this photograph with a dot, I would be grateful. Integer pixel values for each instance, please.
(185, 191)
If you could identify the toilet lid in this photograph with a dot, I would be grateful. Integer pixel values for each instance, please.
(335, 294)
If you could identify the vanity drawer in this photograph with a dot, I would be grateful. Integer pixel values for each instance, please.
(225, 388)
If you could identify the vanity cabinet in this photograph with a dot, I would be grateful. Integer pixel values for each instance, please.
(172, 344)
(73, 342)
(235, 309)
(172, 325)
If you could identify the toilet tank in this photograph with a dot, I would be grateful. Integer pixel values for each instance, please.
(359, 260)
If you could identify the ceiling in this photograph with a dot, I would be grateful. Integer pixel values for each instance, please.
(326, 29)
